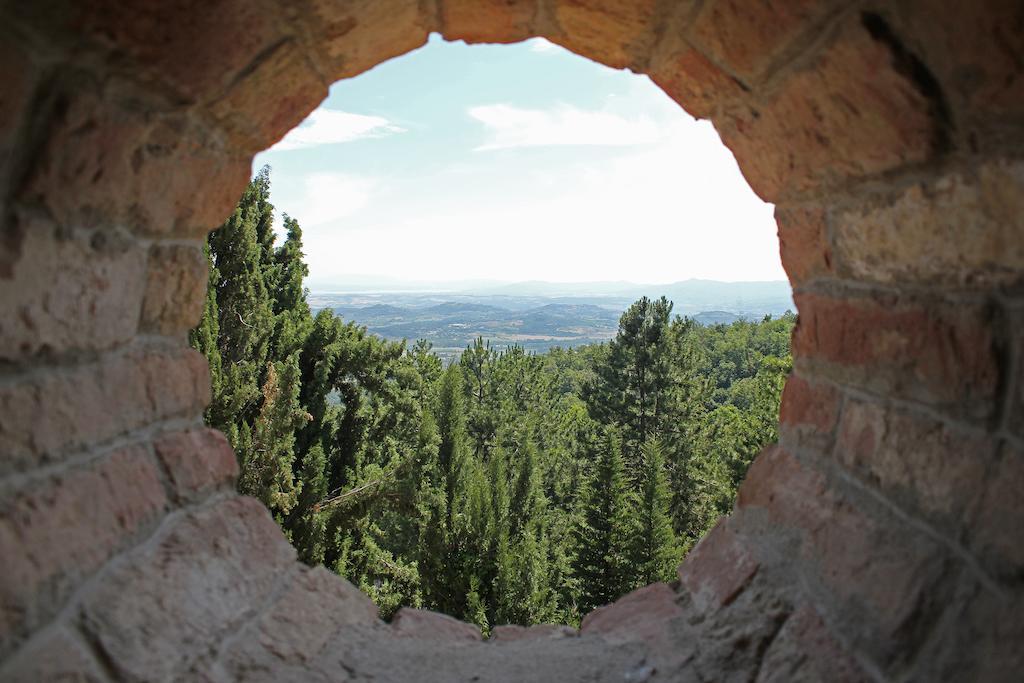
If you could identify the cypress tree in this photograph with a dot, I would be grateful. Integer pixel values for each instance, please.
(655, 554)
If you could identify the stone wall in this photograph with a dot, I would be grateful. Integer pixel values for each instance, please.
(880, 540)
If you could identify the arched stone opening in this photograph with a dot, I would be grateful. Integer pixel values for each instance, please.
(877, 541)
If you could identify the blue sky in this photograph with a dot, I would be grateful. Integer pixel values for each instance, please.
(515, 162)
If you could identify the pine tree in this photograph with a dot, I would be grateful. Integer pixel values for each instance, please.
(605, 532)
(655, 554)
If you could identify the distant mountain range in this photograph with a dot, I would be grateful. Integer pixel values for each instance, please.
(539, 315)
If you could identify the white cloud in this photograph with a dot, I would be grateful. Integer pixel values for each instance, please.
(510, 126)
(331, 126)
(328, 197)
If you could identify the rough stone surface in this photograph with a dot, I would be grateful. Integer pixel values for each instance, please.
(488, 21)
(49, 415)
(614, 33)
(922, 236)
(941, 354)
(54, 656)
(198, 462)
(80, 291)
(697, 85)
(803, 244)
(995, 530)
(641, 615)
(176, 277)
(745, 36)
(510, 633)
(164, 606)
(424, 624)
(805, 651)
(719, 568)
(808, 412)
(55, 533)
(19, 77)
(851, 114)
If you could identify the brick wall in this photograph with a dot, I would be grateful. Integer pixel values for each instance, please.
(879, 540)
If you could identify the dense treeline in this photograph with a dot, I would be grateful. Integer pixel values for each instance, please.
(504, 488)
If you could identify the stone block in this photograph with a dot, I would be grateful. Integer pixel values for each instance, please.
(354, 36)
(198, 462)
(994, 531)
(275, 97)
(851, 113)
(75, 292)
(614, 33)
(929, 469)
(19, 77)
(56, 655)
(642, 615)
(963, 229)
(940, 353)
(426, 625)
(697, 85)
(47, 415)
(488, 21)
(719, 568)
(804, 244)
(745, 36)
(176, 277)
(808, 412)
(805, 651)
(512, 633)
(56, 533)
(169, 604)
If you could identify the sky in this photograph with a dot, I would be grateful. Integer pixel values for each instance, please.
(513, 163)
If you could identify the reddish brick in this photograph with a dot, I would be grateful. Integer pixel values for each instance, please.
(806, 650)
(808, 412)
(745, 36)
(198, 461)
(55, 534)
(488, 21)
(271, 100)
(994, 532)
(719, 568)
(921, 464)
(938, 353)
(611, 32)
(850, 114)
(175, 288)
(803, 244)
(49, 414)
(164, 605)
(426, 625)
(69, 292)
(642, 615)
(697, 85)
(197, 47)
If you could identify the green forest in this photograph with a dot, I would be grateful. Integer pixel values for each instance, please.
(505, 487)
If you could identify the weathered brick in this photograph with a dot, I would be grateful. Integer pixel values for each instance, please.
(427, 625)
(697, 85)
(46, 415)
(613, 33)
(488, 21)
(101, 157)
(642, 615)
(19, 77)
(849, 114)
(925, 467)
(175, 288)
(198, 462)
(196, 47)
(963, 229)
(808, 412)
(805, 650)
(882, 579)
(354, 36)
(314, 610)
(941, 354)
(804, 244)
(56, 655)
(81, 291)
(271, 100)
(169, 603)
(994, 531)
(55, 534)
(745, 36)
(719, 568)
